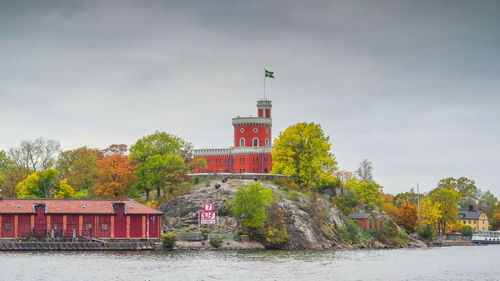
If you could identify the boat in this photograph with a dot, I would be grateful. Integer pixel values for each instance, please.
(486, 237)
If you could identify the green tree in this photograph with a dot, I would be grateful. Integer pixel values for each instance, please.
(466, 187)
(79, 166)
(161, 165)
(303, 151)
(448, 205)
(367, 192)
(44, 184)
(250, 207)
(406, 197)
(487, 203)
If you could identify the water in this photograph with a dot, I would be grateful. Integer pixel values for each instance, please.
(448, 263)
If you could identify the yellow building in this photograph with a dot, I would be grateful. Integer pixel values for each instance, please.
(476, 219)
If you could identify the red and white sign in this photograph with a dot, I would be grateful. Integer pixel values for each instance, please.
(208, 217)
(208, 206)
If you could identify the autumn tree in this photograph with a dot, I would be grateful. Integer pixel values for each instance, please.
(115, 177)
(303, 152)
(79, 166)
(448, 205)
(45, 184)
(429, 215)
(160, 162)
(407, 216)
(495, 218)
(35, 155)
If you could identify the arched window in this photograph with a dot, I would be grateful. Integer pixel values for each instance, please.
(255, 142)
(242, 142)
(267, 142)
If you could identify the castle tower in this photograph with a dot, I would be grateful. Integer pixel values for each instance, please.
(254, 131)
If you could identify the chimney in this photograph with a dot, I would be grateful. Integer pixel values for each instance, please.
(1, 194)
(153, 205)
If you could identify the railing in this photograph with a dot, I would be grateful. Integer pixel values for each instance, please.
(197, 236)
(57, 233)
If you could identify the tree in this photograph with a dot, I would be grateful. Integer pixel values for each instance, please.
(367, 192)
(365, 171)
(160, 162)
(114, 149)
(45, 184)
(407, 216)
(35, 155)
(409, 196)
(115, 177)
(250, 207)
(303, 151)
(466, 187)
(391, 210)
(487, 203)
(429, 212)
(495, 218)
(79, 166)
(448, 205)
(343, 175)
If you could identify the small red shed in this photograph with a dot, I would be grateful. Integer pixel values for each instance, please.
(112, 219)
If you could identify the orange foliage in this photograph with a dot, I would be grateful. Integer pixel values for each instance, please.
(386, 197)
(115, 177)
(390, 210)
(408, 216)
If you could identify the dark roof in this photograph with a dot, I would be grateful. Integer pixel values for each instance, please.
(359, 216)
(72, 206)
(469, 215)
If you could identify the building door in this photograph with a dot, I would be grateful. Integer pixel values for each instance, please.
(40, 228)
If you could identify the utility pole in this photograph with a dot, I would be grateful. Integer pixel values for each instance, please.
(418, 196)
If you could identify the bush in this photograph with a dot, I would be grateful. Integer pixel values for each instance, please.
(168, 240)
(195, 181)
(204, 232)
(352, 233)
(216, 242)
(467, 230)
(276, 238)
(426, 231)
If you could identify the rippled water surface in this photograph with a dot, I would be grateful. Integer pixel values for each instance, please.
(449, 263)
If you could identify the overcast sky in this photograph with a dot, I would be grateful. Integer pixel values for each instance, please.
(412, 86)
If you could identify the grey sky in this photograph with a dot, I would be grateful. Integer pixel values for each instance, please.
(411, 85)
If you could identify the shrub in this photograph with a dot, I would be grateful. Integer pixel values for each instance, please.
(426, 231)
(168, 240)
(276, 238)
(204, 232)
(195, 181)
(467, 230)
(216, 242)
(352, 233)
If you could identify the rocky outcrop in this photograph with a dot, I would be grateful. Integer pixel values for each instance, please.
(311, 222)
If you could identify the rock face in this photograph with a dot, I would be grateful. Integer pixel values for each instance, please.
(311, 223)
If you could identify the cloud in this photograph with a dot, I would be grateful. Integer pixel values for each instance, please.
(410, 85)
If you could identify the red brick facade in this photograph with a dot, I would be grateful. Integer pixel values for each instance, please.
(252, 146)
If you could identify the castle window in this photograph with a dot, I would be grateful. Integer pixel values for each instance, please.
(267, 142)
(242, 141)
(255, 130)
(242, 130)
(255, 142)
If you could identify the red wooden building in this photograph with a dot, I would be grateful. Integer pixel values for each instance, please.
(252, 145)
(112, 219)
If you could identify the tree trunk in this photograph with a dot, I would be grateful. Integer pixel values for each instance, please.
(147, 195)
(158, 192)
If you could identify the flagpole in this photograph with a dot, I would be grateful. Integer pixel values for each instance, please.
(264, 84)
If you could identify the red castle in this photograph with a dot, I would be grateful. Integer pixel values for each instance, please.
(252, 146)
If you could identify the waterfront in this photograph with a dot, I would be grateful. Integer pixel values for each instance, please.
(447, 263)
